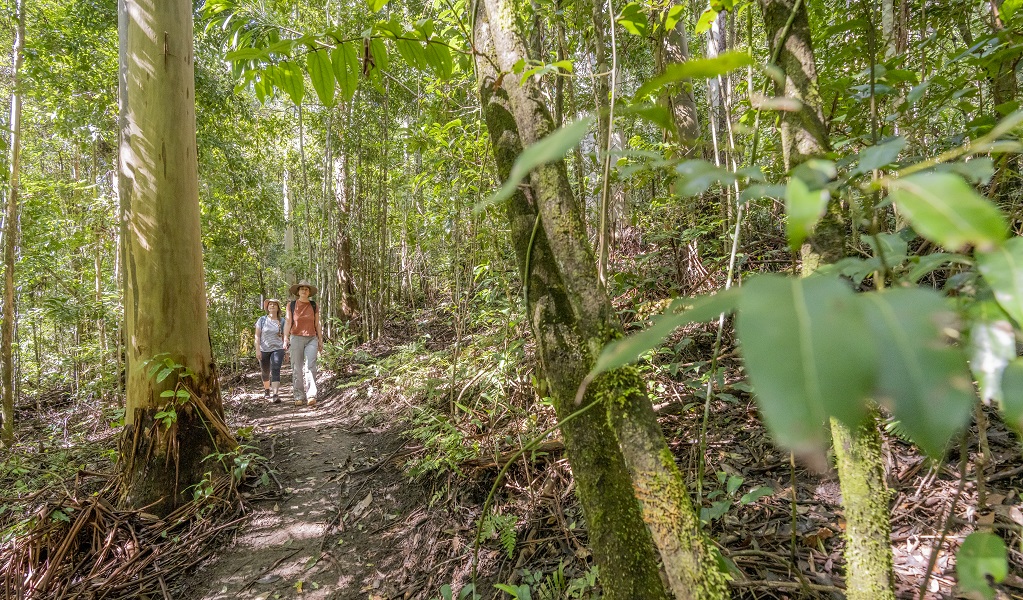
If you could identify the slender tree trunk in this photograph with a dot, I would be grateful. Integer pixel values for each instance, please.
(571, 319)
(602, 90)
(802, 132)
(670, 47)
(165, 294)
(11, 232)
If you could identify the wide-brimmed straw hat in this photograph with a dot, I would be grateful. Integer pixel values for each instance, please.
(294, 289)
(266, 303)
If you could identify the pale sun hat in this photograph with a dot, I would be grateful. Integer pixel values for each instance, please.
(266, 304)
(293, 290)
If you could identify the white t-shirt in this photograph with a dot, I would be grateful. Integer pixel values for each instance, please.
(271, 334)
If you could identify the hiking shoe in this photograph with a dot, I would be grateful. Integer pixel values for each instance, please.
(299, 402)
(276, 399)
(266, 394)
(312, 402)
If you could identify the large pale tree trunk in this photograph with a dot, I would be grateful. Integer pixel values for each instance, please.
(11, 232)
(625, 473)
(672, 46)
(164, 296)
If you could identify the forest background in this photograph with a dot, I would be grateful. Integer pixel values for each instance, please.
(868, 143)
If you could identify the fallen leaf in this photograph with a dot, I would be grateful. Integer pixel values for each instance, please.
(363, 505)
(268, 578)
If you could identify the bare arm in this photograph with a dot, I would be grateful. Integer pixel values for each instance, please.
(287, 326)
(319, 333)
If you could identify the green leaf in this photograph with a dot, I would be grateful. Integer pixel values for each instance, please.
(803, 208)
(166, 393)
(183, 394)
(654, 113)
(992, 347)
(438, 56)
(754, 495)
(1002, 268)
(291, 79)
(807, 354)
(714, 511)
(706, 20)
(344, 59)
(945, 209)
(633, 19)
(378, 50)
(982, 555)
(1012, 395)
(881, 155)
(412, 52)
(621, 352)
(549, 149)
(376, 5)
(163, 374)
(673, 16)
(923, 380)
(931, 262)
(322, 76)
(1009, 9)
(696, 176)
(695, 68)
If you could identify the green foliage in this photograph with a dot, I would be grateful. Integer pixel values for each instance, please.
(724, 498)
(982, 556)
(948, 211)
(501, 528)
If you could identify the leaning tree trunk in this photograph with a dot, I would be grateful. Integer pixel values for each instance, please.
(857, 453)
(168, 345)
(11, 232)
(572, 318)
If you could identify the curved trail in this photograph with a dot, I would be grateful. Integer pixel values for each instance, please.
(337, 529)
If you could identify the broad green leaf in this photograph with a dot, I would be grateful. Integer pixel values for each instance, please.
(164, 374)
(412, 52)
(881, 155)
(945, 209)
(549, 149)
(706, 20)
(654, 113)
(166, 393)
(322, 76)
(1002, 268)
(183, 394)
(923, 380)
(376, 5)
(992, 347)
(438, 56)
(291, 79)
(1012, 395)
(808, 355)
(762, 190)
(924, 265)
(378, 50)
(982, 555)
(715, 510)
(633, 19)
(695, 68)
(345, 61)
(754, 495)
(621, 352)
(1009, 9)
(246, 54)
(696, 176)
(673, 16)
(803, 208)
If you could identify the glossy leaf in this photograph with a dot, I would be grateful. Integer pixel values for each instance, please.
(945, 209)
(1002, 268)
(344, 59)
(413, 53)
(982, 555)
(438, 56)
(696, 68)
(621, 352)
(808, 355)
(803, 208)
(549, 149)
(633, 19)
(881, 155)
(378, 50)
(376, 5)
(706, 20)
(291, 79)
(322, 75)
(923, 380)
(992, 347)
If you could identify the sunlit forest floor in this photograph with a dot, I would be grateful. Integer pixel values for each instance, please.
(377, 492)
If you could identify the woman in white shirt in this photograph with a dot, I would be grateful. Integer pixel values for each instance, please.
(270, 347)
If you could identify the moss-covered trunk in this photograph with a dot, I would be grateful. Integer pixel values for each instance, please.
(865, 496)
(617, 454)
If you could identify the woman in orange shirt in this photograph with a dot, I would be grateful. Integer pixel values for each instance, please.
(303, 333)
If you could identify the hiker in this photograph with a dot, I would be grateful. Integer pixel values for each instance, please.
(304, 334)
(270, 347)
